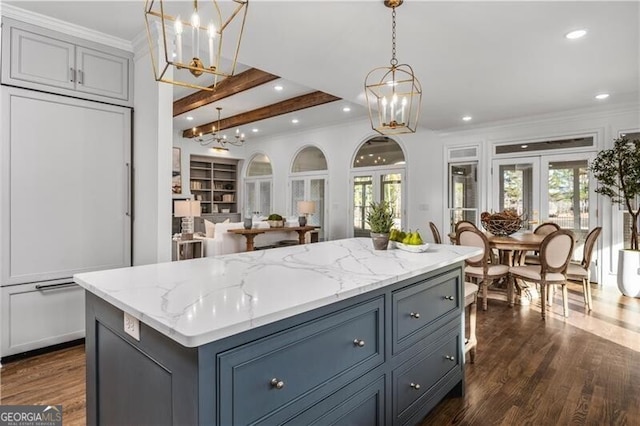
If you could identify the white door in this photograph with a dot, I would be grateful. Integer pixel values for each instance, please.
(312, 188)
(376, 186)
(257, 197)
(548, 188)
(516, 185)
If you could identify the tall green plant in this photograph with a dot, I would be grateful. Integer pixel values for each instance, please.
(618, 172)
(380, 217)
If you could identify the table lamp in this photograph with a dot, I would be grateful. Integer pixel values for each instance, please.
(305, 208)
(187, 210)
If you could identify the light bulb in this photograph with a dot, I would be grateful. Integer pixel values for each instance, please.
(177, 25)
(211, 31)
(195, 19)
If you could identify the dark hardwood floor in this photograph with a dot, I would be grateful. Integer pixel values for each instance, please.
(584, 370)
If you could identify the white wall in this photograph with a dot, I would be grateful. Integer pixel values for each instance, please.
(152, 142)
(605, 123)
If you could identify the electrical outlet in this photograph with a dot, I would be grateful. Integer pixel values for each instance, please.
(132, 326)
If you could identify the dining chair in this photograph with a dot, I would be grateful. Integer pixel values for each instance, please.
(543, 229)
(555, 253)
(464, 223)
(471, 301)
(480, 267)
(435, 232)
(580, 271)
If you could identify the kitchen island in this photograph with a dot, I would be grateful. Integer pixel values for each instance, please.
(324, 332)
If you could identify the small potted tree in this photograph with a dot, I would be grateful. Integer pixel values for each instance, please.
(380, 220)
(618, 173)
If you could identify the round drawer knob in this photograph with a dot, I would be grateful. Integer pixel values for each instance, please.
(416, 386)
(358, 342)
(449, 297)
(276, 383)
(449, 357)
(415, 315)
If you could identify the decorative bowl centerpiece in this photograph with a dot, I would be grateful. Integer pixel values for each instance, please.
(275, 221)
(503, 223)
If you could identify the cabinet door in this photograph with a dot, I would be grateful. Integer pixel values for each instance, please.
(39, 315)
(39, 59)
(65, 186)
(102, 74)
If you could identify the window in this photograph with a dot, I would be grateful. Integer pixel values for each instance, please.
(380, 165)
(258, 186)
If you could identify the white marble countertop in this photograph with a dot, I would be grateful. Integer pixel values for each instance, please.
(198, 301)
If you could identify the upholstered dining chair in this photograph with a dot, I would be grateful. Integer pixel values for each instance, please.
(580, 271)
(463, 224)
(480, 267)
(543, 229)
(471, 301)
(435, 232)
(555, 253)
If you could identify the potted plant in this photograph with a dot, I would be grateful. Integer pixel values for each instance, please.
(618, 173)
(380, 220)
(275, 220)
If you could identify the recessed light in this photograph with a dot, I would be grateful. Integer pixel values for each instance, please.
(524, 146)
(295, 121)
(572, 35)
(346, 109)
(278, 88)
(467, 118)
(602, 96)
(254, 130)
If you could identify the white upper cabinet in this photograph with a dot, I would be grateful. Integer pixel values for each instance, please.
(54, 62)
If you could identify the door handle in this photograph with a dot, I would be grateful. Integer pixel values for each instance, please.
(44, 287)
(128, 166)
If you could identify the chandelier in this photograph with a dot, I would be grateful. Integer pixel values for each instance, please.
(193, 47)
(393, 93)
(215, 137)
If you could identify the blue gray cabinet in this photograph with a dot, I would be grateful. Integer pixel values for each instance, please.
(385, 357)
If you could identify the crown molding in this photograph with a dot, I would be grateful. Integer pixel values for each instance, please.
(64, 27)
(546, 118)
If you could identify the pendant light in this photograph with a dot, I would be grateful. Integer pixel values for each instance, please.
(393, 93)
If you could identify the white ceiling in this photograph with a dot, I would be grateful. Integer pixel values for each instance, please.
(491, 60)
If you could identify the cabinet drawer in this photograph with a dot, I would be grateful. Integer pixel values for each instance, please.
(353, 405)
(39, 315)
(413, 380)
(268, 375)
(421, 308)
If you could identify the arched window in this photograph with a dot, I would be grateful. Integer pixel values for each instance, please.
(377, 175)
(379, 151)
(308, 182)
(309, 159)
(260, 165)
(258, 183)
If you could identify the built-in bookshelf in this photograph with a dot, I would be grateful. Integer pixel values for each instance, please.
(214, 182)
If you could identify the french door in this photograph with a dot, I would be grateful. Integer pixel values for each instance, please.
(313, 188)
(375, 186)
(547, 188)
(257, 197)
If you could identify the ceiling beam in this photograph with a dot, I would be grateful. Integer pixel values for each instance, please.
(229, 86)
(289, 105)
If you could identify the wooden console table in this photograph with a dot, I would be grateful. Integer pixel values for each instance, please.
(250, 234)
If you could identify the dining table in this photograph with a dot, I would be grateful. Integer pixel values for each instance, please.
(510, 246)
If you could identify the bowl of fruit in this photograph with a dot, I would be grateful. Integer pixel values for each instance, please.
(407, 241)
